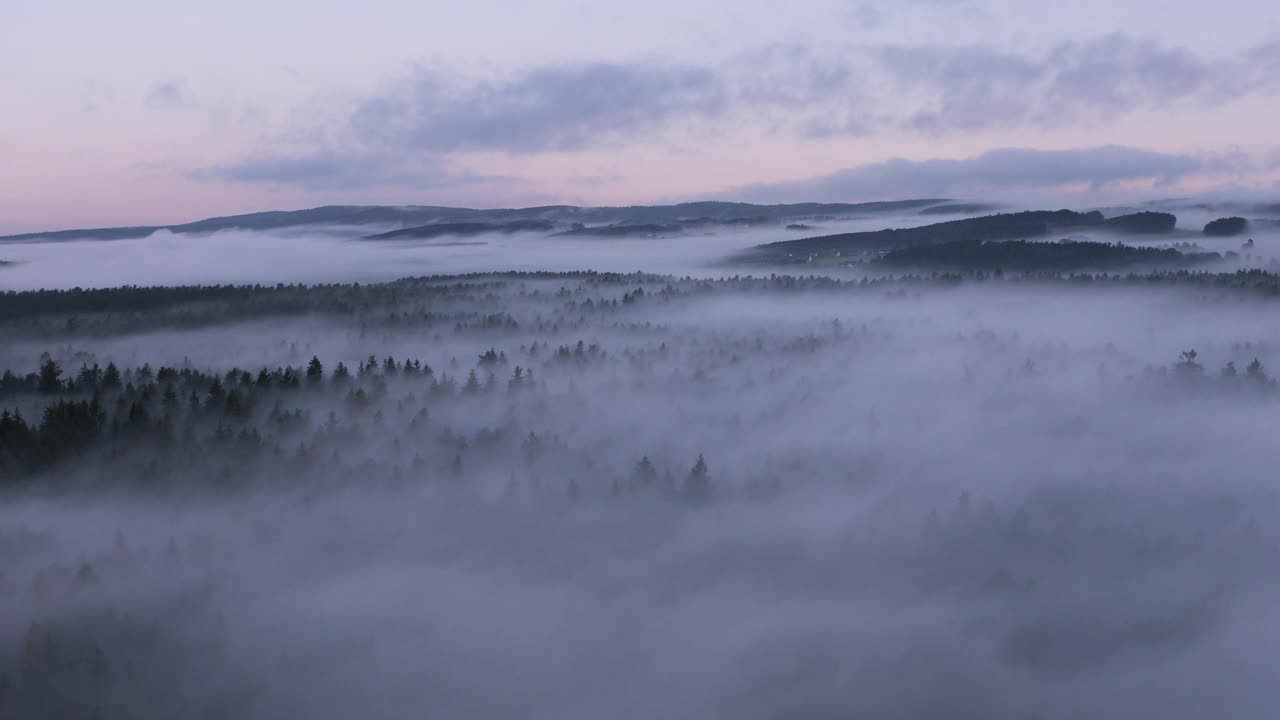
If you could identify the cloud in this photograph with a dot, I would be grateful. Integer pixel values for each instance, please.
(1003, 168)
(165, 95)
(551, 108)
(96, 95)
(875, 14)
(403, 134)
(867, 16)
(930, 89)
(977, 88)
(343, 170)
(1272, 160)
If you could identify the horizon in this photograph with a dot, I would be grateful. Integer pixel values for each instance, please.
(993, 207)
(835, 100)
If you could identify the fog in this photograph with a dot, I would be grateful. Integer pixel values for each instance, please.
(962, 498)
(314, 254)
(324, 255)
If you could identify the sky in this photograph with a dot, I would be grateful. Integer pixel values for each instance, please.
(152, 112)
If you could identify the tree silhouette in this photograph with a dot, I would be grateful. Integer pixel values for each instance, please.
(1187, 365)
(698, 488)
(216, 392)
(50, 377)
(111, 376)
(1255, 371)
(473, 383)
(645, 475)
(315, 370)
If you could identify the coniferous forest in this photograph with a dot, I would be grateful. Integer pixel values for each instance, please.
(217, 496)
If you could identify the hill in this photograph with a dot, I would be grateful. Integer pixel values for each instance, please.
(418, 216)
(1226, 227)
(1009, 226)
(959, 209)
(647, 230)
(1143, 223)
(1030, 256)
(426, 232)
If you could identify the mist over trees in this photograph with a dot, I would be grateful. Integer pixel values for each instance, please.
(400, 425)
(1031, 224)
(939, 381)
(1143, 223)
(1008, 226)
(963, 478)
(1020, 255)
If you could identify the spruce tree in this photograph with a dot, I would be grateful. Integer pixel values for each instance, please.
(111, 376)
(315, 370)
(50, 377)
(697, 485)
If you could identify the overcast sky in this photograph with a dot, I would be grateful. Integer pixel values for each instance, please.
(153, 111)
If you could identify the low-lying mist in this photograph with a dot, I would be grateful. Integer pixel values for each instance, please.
(592, 495)
(328, 254)
(323, 255)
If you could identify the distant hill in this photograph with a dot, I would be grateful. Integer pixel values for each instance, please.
(648, 230)
(418, 216)
(1226, 227)
(1143, 223)
(1009, 226)
(959, 209)
(1030, 256)
(425, 232)
(1030, 224)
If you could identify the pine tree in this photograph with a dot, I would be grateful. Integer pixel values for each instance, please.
(111, 376)
(9, 383)
(50, 377)
(697, 485)
(644, 475)
(216, 391)
(1255, 372)
(315, 370)
(473, 384)
(532, 447)
(170, 397)
(89, 377)
(341, 374)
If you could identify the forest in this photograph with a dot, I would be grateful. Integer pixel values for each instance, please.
(212, 495)
(1025, 225)
(1021, 255)
(1226, 227)
(156, 424)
